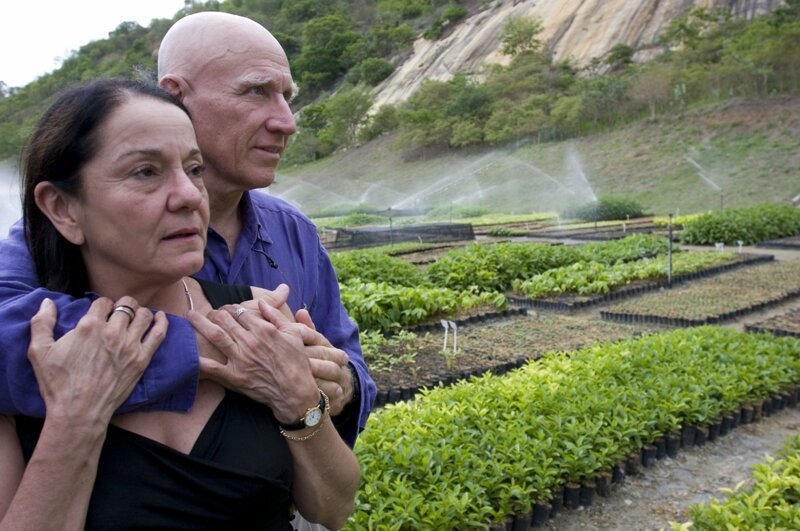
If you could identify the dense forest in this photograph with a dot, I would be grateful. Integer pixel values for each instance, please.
(340, 49)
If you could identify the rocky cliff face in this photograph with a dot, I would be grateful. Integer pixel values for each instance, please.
(578, 30)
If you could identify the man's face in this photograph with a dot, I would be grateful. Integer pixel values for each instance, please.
(240, 108)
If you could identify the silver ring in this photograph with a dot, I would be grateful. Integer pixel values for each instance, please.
(238, 313)
(127, 310)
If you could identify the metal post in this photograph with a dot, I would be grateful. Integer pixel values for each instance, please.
(391, 232)
(669, 254)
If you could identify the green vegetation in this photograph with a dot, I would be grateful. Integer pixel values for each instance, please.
(466, 456)
(748, 225)
(586, 278)
(607, 208)
(386, 307)
(771, 503)
(710, 297)
(375, 266)
(496, 267)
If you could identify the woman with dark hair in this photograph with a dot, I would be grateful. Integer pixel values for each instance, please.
(114, 204)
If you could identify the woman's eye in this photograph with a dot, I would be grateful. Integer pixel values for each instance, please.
(144, 171)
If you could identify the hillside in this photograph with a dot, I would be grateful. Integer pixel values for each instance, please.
(575, 30)
(750, 149)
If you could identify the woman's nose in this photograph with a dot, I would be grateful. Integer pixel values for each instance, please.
(185, 192)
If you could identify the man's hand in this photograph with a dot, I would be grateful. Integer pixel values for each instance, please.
(336, 381)
(265, 357)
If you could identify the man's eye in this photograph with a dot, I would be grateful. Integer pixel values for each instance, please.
(258, 91)
(196, 171)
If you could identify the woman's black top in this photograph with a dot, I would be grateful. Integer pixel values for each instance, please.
(237, 476)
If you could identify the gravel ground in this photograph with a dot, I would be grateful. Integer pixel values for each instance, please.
(664, 492)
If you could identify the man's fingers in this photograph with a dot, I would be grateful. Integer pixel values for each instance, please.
(271, 314)
(326, 370)
(216, 372)
(42, 325)
(330, 354)
(302, 316)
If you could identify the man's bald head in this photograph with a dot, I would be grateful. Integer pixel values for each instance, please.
(198, 39)
(235, 79)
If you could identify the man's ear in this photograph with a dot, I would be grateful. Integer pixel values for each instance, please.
(175, 85)
(60, 209)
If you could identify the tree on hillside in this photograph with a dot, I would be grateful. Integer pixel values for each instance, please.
(619, 57)
(330, 46)
(521, 34)
(652, 87)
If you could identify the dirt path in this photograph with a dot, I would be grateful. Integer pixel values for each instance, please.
(663, 492)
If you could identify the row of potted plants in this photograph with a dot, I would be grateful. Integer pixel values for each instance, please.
(771, 503)
(469, 455)
(713, 299)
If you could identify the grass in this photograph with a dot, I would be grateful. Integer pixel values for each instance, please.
(748, 147)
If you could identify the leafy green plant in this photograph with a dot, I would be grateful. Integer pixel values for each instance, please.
(383, 353)
(749, 225)
(771, 503)
(467, 455)
(607, 208)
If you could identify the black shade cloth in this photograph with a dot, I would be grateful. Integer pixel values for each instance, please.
(238, 475)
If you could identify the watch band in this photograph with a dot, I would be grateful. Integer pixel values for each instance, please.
(300, 424)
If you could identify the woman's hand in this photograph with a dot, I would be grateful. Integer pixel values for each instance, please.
(83, 378)
(90, 371)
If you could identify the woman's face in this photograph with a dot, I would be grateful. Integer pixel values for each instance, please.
(143, 209)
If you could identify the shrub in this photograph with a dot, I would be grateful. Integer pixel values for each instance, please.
(749, 225)
(371, 266)
(606, 208)
(374, 70)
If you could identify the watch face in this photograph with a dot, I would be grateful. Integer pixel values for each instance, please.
(313, 417)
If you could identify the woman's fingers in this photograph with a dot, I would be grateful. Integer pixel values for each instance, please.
(42, 325)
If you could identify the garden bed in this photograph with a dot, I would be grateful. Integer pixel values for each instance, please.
(496, 346)
(787, 324)
(713, 300)
(792, 242)
(571, 301)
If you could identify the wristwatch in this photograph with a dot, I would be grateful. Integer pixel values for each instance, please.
(313, 415)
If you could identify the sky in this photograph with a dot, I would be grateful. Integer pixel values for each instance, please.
(36, 34)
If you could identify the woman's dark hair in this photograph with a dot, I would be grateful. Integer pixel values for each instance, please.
(63, 142)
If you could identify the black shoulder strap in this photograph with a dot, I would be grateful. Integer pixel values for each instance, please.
(222, 294)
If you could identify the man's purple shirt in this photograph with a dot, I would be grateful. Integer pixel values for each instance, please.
(278, 244)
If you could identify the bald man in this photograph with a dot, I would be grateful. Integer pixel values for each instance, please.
(234, 78)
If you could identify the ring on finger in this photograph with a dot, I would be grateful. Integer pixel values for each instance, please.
(127, 310)
(238, 313)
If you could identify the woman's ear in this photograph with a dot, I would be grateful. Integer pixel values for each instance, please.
(60, 209)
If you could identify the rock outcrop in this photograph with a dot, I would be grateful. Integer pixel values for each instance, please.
(578, 30)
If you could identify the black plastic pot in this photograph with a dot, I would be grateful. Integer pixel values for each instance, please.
(618, 474)
(758, 410)
(700, 436)
(673, 444)
(713, 429)
(727, 422)
(633, 463)
(687, 436)
(661, 447)
(736, 417)
(747, 414)
(603, 484)
(572, 495)
(557, 503)
(648, 455)
(522, 522)
(587, 492)
(540, 515)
